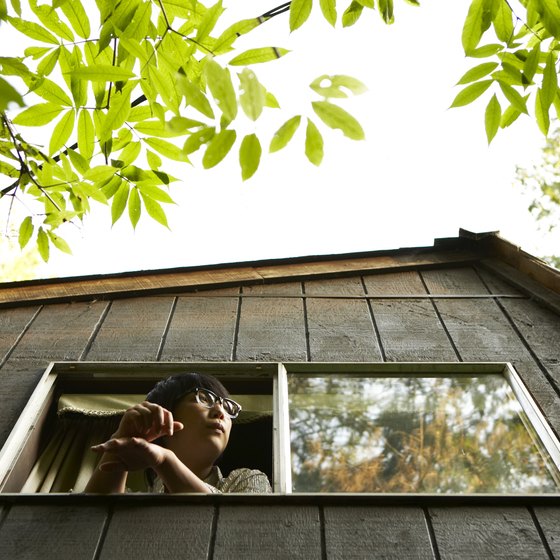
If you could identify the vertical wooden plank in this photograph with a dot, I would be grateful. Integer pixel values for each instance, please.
(495, 284)
(35, 532)
(272, 328)
(348, 286)
(202, 328)
(353, 533)
(132, 330)
(59, 332)
(540, 327)
(340, 330)
(468, 532)
(394, 284)
(410, 330)
(12, 324)
(549, 520)
(271, 532)
(158, 532)
(455, 281)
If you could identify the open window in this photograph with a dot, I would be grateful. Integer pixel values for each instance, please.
(79, 404)
(445, 428)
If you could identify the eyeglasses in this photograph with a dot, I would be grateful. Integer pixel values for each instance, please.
(207, 398)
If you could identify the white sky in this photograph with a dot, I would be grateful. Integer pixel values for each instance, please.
(423, 172)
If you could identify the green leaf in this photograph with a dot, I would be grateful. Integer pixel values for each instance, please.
(549, 86)
(134, 207)
(334, 86)
(328, 9)
(38, 115)
(475, 24)
(134, 48)
(8, 170)
(154, 161)
(49, 18)
(130, 153)
(253, 94)
(25, 232)
(284, 134)
(155, 192)
(218, 148)
(336, 117)
(208, 21)
(194, 97)
(477, 72)
(47, 64)
(157, 128)
(503, 22)
(79, 162)
(154, 209)
(221, 87)
(43, 244)
(509, 116)
(249, 156)
(470, 93)
(59, 243)
(352, 14)
(386, 10)
(62, 131)
(313, 143)
(531, 63)
(256, 56)
(119, 201)
(492, 118)
(197, 139)
(49, 91)
(164, 84)
(100, 173)
(514, 97)
(300, 10)
(486, 51)
(102, 73)
(77, 16)
(271, 101)
(117, 114)
(167, 149)
(232, 33)
(33, 30)
(9, 95)
(542, 113)
(86, 134)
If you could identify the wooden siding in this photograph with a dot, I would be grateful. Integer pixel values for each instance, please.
(451, 314)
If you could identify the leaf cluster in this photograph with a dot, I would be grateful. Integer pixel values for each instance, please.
(156, 85)
(521, 62)
(300, 10)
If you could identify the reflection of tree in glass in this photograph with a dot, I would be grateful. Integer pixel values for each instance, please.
(411, 434)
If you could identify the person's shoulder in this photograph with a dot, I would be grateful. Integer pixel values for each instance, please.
(247, 481)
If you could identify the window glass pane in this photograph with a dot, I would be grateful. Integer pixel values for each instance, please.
(453, 434)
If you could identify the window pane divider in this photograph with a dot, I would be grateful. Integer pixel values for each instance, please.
(281, 429)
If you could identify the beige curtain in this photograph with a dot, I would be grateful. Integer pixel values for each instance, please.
(67, 461)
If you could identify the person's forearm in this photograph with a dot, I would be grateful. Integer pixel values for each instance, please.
(177, 477)
(104, 482)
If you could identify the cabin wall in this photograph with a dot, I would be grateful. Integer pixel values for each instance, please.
(475, 318)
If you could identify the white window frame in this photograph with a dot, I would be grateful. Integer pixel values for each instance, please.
(22, 446)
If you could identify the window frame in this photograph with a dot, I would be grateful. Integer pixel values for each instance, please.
(23, 445)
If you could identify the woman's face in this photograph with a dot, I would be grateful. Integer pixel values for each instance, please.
(205, 434)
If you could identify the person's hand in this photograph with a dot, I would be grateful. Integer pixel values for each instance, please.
(148, 421)
(130, 454)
